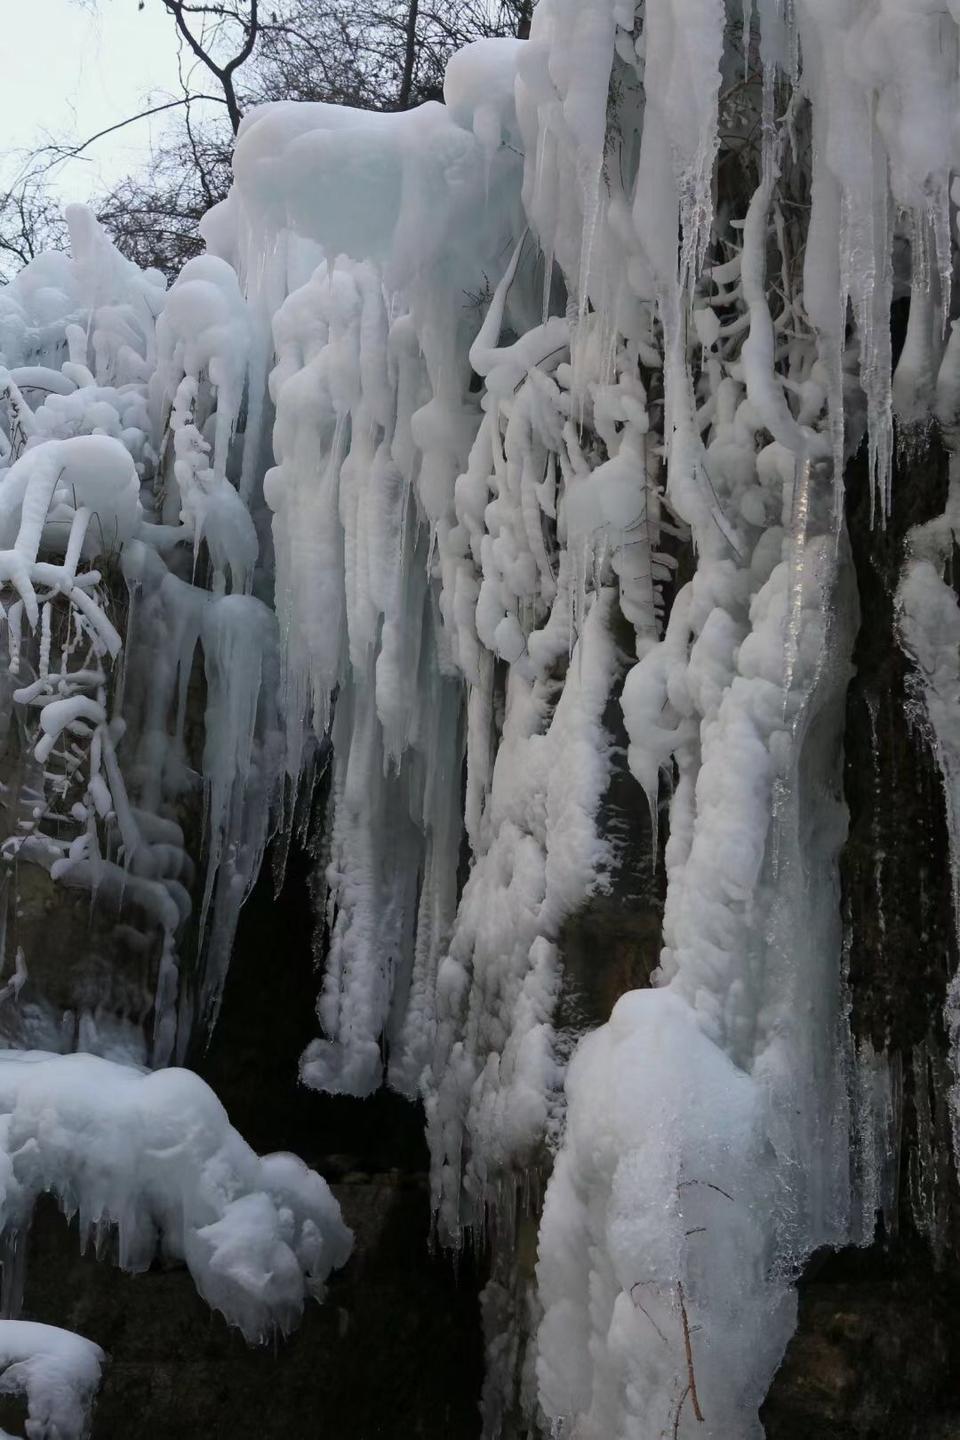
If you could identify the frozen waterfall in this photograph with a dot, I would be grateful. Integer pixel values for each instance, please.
(483, 432)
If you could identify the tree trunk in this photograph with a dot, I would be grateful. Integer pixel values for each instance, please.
(410, 55)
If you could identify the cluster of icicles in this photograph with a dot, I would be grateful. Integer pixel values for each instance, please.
(504, 402)
(113, 474)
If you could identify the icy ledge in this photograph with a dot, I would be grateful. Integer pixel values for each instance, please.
(154, 1155)
(57, 1372)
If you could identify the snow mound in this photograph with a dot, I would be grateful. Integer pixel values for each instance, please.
(59, 1374)
(154, 1156)
(653, 1235)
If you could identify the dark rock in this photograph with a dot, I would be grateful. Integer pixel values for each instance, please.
(875, 1355)
(393, 1353)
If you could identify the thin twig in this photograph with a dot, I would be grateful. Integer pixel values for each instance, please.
(688, 1349)
(71, 152)
(676, 1418)
(710, 1186)
(646, 1312)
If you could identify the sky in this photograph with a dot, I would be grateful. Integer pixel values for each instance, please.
(73, 67)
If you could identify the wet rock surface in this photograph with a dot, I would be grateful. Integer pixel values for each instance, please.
(875, 1355)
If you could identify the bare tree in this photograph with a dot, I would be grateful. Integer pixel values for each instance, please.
(409, 53)
(207, 29)
(375, 54)
(31, 221)
(154, 214)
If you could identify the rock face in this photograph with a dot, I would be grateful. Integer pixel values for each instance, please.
(875, 1355)
(394, 1351)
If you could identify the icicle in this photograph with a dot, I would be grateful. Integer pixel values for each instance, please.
(798, 543)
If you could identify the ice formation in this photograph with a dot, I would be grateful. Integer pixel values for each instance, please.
(57, 1371)
(121, 401)
(128, 557)
(553, 435)
(150, 1156)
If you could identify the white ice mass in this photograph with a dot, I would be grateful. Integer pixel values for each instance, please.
(151, 1156)
(477, 427)
(58, 1373)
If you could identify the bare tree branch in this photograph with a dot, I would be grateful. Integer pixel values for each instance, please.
(204, 53)
(71, 152)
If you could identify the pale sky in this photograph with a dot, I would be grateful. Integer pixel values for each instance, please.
(73, 67)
